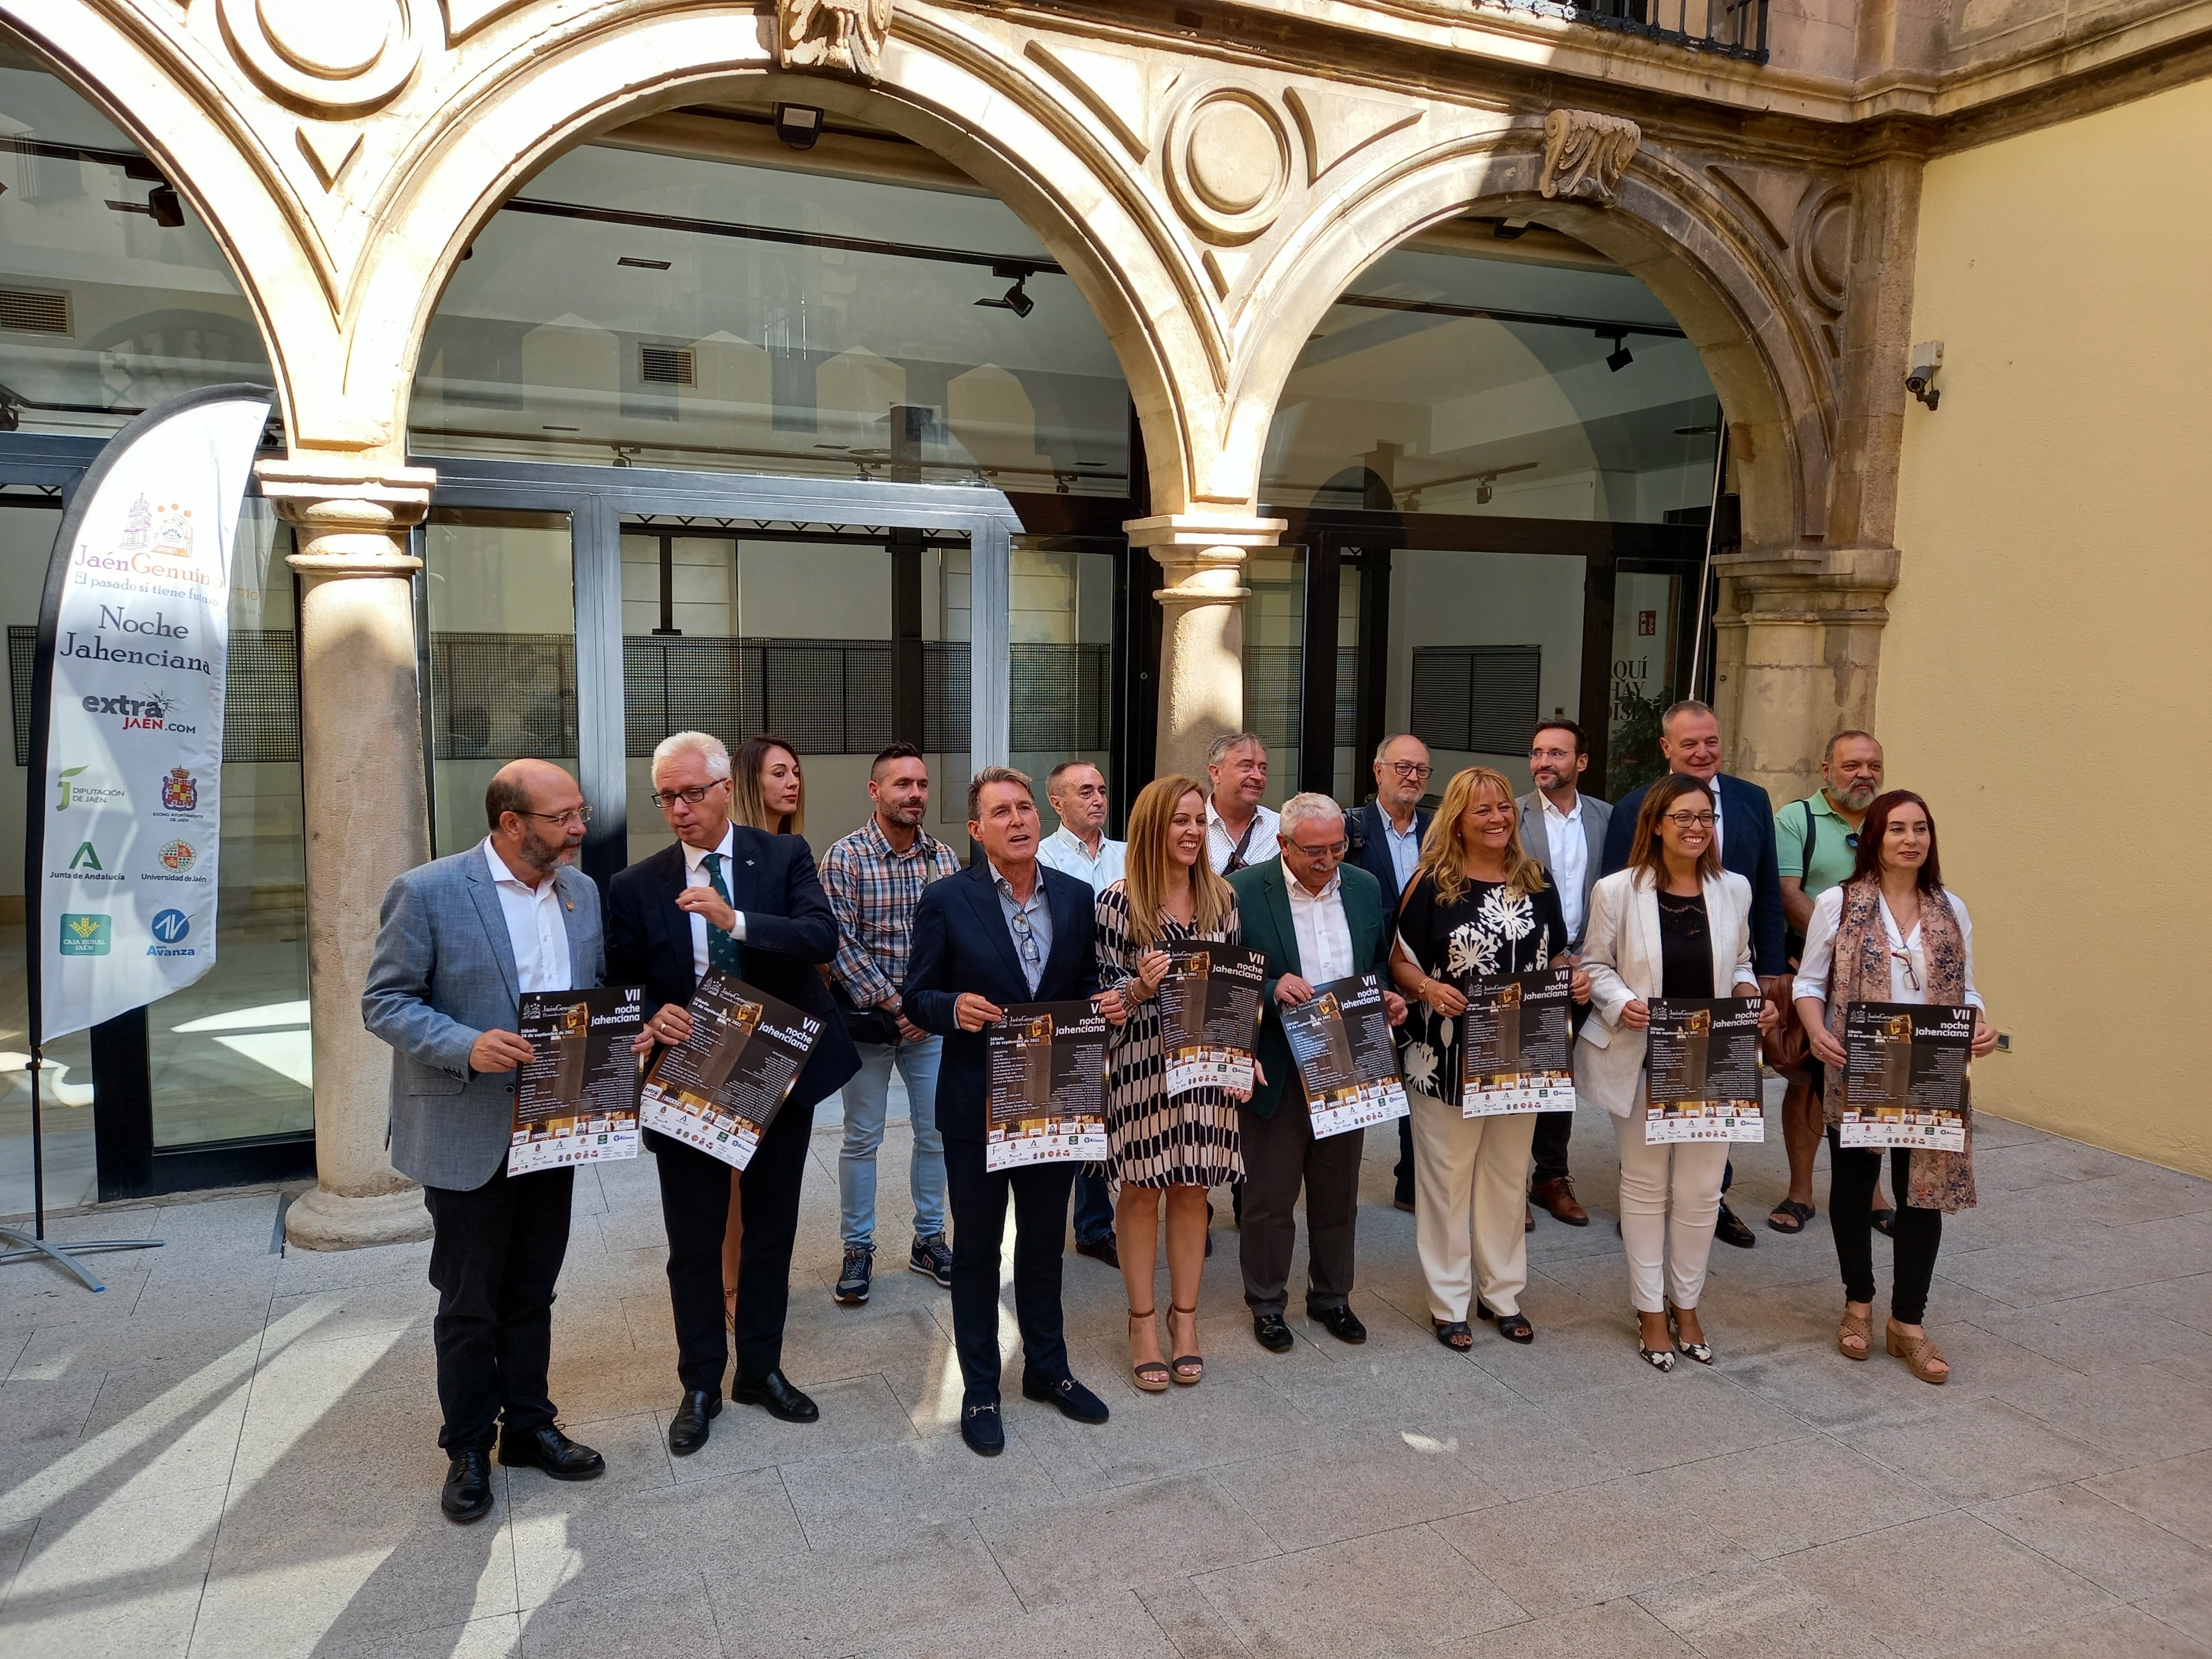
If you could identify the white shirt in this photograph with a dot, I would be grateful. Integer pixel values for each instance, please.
(694, 871)
(1323, 932)
(1266, 838)
(1570, 858)
(1405, 850)
(1063, 850)
(536, 927)
(1908, 961)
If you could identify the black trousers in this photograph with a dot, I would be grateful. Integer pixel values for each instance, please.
(1549, 1149)
(494, 1255)
(695, 1209)
(1280, 1154)
(977, 1199)
(1403, 1173)
(1855, 1171)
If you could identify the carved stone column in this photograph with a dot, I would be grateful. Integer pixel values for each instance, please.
(1202, 628)
(367, 817)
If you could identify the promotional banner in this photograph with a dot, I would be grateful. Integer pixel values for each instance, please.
(127, 710)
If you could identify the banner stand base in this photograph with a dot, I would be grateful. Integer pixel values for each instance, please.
(28, 1247)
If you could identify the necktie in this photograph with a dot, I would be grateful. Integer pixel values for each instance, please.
(722, 947)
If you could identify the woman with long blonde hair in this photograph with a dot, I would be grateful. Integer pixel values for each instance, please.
(1162, 1145)
(1478, 907)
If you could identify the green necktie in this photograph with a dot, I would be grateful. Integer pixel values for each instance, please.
(722, 947)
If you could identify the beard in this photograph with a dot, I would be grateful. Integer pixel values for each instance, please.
(1858, 797)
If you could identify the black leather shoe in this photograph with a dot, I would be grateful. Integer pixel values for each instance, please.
(1075, 1401)
(1339, 1322)
(467, 1496)
(1273, 1334)
(1100, 1249)
(687, 1430)
(981, 1426)
(774, 1393)
(546, 1448)
(1730, 1230)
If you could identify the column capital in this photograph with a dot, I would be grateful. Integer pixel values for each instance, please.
(352, 522)
(1808, 583)
(1221, 537)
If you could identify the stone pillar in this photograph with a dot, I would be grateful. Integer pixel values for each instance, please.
(366, 816)
(1201, 627)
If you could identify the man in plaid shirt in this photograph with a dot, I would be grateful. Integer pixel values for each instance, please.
(874, 879)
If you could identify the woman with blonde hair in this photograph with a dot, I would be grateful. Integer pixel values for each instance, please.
(1478, 907)
(1158, 1143)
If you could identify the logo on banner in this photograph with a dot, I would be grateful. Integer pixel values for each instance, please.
(87, 935)
(170, 928)
(137, 526)
(177, 855)
(173, 537)
(181, 791)
(148, 712)
(85, 858)
(76, 793)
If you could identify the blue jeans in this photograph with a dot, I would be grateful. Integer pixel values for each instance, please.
(1094, 1209)
(865, 1099)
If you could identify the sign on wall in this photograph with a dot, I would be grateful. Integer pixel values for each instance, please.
(127, 721)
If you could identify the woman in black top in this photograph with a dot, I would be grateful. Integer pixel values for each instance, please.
(1479, 907)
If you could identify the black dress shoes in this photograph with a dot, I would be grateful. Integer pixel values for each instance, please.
(774, 1393)
(1729, 1228)
(1339, 1322)
(467, 1496)
(687, 1430)
(1100, 1249)
(1273, 1334)
(547, 1449)
(981, 1426)
(1075, 1401)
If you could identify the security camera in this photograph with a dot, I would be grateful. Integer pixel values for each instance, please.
(1920, 379)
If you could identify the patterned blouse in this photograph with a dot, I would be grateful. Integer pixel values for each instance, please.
(1487, 932)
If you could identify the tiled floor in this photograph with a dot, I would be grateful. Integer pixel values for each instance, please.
(232, 1452)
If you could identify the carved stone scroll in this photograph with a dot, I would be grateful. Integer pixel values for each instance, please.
(1586, 153)
(834, 37)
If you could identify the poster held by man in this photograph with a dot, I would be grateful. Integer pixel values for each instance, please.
(126, 734)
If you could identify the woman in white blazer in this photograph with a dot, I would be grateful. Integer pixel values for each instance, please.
(1672, 924)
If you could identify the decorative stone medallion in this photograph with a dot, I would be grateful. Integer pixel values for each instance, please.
(331, 59)
(1228, 164)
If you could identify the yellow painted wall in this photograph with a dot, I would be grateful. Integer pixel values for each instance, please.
(2043, 676)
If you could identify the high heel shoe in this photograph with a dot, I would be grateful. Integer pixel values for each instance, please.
(1700, 1352)
(1150, 1375)
(1855, 1325)
(1189, 1370)
(1919, 1354)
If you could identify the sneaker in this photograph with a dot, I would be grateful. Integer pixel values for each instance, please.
(932, 1258)
(853, 1282)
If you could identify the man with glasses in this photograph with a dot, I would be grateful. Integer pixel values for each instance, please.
(1385, 837)
(1564, 831)
(460, 941)
(1080, 848)
(1317, 919)
(1238, 829)
(1816, 846)
(874, 879)
(726, 896)
(1743, 825)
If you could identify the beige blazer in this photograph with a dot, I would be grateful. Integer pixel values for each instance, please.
(1621, 954)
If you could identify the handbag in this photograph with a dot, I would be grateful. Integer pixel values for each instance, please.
(1788, 1051)
(876, 1026)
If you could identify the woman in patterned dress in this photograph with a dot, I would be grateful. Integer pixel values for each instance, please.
(1477, 906)
(1161, 1144)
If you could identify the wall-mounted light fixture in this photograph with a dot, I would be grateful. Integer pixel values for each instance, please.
(798, 124)
(1014, 299)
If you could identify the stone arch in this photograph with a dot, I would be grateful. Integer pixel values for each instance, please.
(1661, 225)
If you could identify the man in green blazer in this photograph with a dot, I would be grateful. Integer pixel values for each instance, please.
(1317, 919)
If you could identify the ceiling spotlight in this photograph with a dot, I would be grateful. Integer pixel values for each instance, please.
(1014, 299)
(798, 124)
(1619, 358)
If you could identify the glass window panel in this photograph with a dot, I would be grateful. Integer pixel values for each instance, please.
(1062, 666)
(726, 352)
(1647, 629)
(1275, 657)
(498, 599)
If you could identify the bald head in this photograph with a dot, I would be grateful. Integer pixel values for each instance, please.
(537, 814)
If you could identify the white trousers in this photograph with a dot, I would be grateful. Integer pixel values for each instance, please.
(1670, 1197)
(1470, 1201)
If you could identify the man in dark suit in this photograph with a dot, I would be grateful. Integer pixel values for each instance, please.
(1743, 824)
(747, 903)
(1386, 843)
(1316, 919)
(1004, 932)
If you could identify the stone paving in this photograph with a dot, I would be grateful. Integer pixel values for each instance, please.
(233, 1452)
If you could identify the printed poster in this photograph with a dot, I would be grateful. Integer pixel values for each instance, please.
(1702, 1057)
(1341, 1039)
(1516, 1044)
(575, 1100)
(1047, 1100)
(1210, 1016)
(719, 1090)
(1905, 1079)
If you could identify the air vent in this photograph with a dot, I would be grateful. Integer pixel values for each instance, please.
(665, 366)
(28, 310)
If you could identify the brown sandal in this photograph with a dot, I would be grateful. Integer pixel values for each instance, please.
(1189, 1370)
(1150, 1375)
(1918, 1353)
(1856, 1325)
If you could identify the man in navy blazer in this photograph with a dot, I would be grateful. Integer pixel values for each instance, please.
(740, 899)
(1004, 932)
(1743, 823)
(1386, 843)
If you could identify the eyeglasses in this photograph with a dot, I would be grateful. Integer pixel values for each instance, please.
(667, 798)
(1851, 841)
(1412, 771)
(1026, 938)
(1691, 820)
(1912, 975)
(1335, 849)
(577, 814)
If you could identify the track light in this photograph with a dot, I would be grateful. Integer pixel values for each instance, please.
(798, 124)
(1619, 357)
(1014, 299)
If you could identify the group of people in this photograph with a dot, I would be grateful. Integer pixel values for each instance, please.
(1690, 887)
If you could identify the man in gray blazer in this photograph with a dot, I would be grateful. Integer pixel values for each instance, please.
(461, 940)
(1564, 831)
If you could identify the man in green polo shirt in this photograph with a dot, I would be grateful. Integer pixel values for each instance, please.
(1816, 846)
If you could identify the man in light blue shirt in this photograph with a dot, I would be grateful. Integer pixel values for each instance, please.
(1077, 790)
